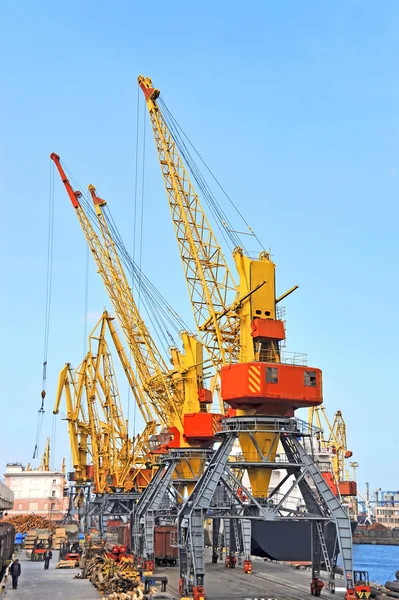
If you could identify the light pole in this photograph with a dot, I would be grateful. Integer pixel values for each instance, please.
(354, 466)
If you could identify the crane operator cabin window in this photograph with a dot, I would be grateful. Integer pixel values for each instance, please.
(271, 375)
(309, 378)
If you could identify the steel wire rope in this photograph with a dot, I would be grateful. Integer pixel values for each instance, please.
(133, 251)
(133, 254)
(141, 227)
(155, 302)
(86, 301)
(251, 231)
(231, 239)
(179, 135)
(49, 281)
(159, 312)
(142, 201)
(151, 293)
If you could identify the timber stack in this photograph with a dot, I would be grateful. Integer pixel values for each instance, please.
(389, 590)
(119, 578)
(25, 523)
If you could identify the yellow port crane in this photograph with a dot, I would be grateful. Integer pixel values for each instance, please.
(177, 396)
(243, 331)
(333, 440)
(137, 338)
(238, 322)
(95, 418)
(72, 386)
(130, 455)
(45, 462)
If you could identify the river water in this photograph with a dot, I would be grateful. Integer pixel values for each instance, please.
(381, 562)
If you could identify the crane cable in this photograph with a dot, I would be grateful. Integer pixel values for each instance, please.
(133, 437)
(49, 281)
(225, 226)
(139, 283)
(157, 308)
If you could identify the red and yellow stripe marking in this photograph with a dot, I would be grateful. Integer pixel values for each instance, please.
(254, 378)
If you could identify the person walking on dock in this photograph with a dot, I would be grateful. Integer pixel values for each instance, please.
(48, 555)
(15, 572)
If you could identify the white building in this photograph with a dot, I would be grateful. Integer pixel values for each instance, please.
(41, 492)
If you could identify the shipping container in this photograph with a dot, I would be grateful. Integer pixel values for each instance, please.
(347, 488)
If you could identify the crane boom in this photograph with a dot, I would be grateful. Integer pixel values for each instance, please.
(156, 378)
(78, 429)
(127, 367)
(242, 332)
(177, 395)
(210, 283)
(137, 336)
(96, 423)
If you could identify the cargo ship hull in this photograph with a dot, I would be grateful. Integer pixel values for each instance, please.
(288, 540)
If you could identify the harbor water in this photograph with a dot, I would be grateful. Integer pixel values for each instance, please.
(381, 562)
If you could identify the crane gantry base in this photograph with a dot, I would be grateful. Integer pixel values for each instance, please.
(104, 506)
(220, 494)
(78, 501)
(162, 497)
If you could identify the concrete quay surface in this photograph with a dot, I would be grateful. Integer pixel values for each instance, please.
(37, 584)
(268, 580)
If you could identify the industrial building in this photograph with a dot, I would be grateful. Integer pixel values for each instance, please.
(6, 497)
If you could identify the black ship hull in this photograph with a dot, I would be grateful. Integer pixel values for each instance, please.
(288, 540)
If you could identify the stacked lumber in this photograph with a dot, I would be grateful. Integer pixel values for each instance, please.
(23, 523)
(67, 564)
(59, 538)
(42, 536)
(30, 540)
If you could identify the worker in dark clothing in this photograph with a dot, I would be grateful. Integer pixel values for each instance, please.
(48, 555)
(15, 572)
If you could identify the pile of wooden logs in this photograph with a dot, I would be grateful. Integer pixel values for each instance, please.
(116, 580)
(123, 596)
(384, 592)
(24, 523)
(109, 576)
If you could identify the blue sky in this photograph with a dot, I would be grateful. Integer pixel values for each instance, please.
(294, 105)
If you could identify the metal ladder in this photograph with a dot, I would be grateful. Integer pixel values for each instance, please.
(337, 511)
(227, 536)
(237, 540)
(324, 550)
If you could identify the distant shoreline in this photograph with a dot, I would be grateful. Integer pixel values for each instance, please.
(376, 537)
(376, 541)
